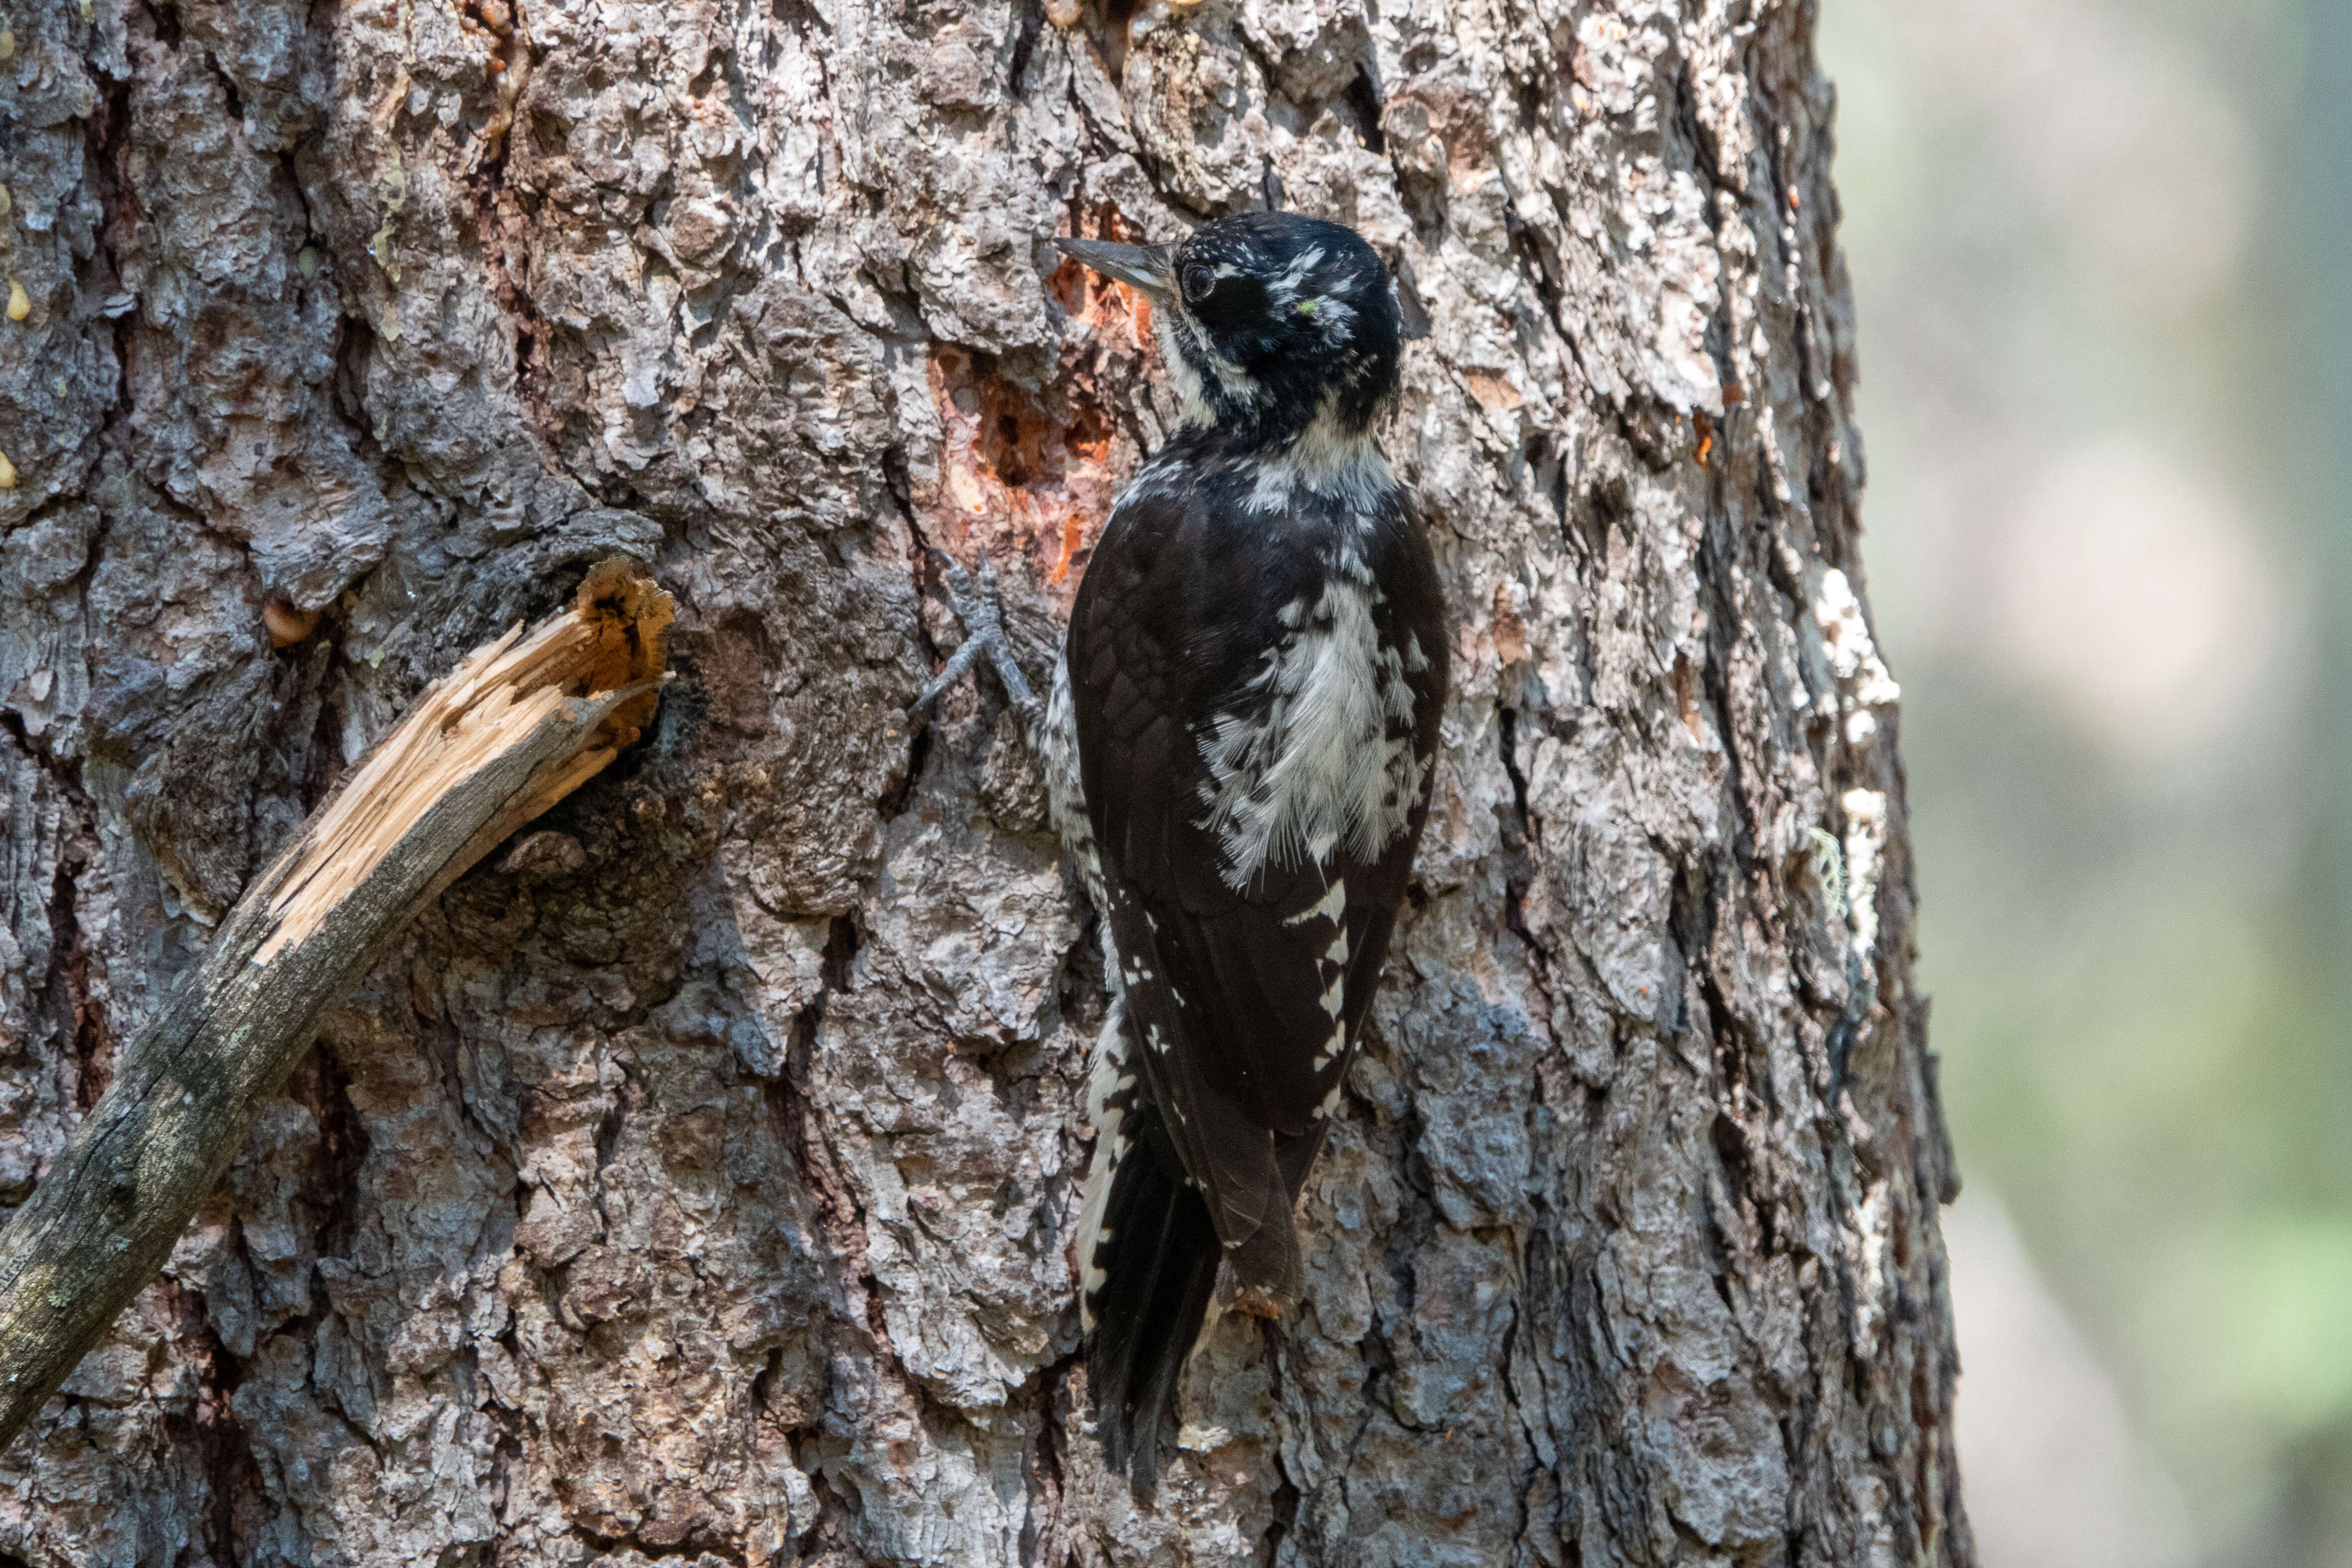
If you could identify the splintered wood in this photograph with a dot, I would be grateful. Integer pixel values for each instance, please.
(597, 669)
(506, 735)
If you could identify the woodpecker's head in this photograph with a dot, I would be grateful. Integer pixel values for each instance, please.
(1269, 321)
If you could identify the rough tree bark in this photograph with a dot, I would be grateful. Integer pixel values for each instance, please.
(693, 1180)
(520, 724)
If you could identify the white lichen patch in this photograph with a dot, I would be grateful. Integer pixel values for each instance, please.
(1868, 1237)
(1864, 684)
(392, 191)
(1865, 857)
(1829, 868)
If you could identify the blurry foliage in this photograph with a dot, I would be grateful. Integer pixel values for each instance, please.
(2094, 389)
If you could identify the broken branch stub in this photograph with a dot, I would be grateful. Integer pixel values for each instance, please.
(517, 726)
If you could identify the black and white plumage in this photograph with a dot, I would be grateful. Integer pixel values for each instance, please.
(1239, 743)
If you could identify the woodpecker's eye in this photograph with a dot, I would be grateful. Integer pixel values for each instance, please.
(1199, 283)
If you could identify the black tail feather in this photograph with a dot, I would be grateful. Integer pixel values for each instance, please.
(1162, 1268)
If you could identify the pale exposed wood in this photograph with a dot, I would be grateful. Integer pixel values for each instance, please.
(502, 690)
(517, 726)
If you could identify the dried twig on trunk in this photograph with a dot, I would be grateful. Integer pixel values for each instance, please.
(519, 725)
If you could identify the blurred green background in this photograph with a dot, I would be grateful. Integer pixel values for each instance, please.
(2096, 246)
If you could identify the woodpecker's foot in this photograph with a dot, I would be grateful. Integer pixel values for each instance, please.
(981, 606)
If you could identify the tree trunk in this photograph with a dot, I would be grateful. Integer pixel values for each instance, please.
(694, 1179)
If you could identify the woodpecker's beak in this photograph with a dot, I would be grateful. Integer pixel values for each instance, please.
(1147, 267)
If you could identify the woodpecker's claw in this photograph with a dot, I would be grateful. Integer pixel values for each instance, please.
(981, 607)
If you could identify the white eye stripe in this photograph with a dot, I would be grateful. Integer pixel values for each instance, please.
(1296, 273)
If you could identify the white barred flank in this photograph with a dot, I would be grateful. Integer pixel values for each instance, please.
(1112, 1079)
(1110, 1096)
(1333, 903)
(1334, 968)
(1065, 789)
